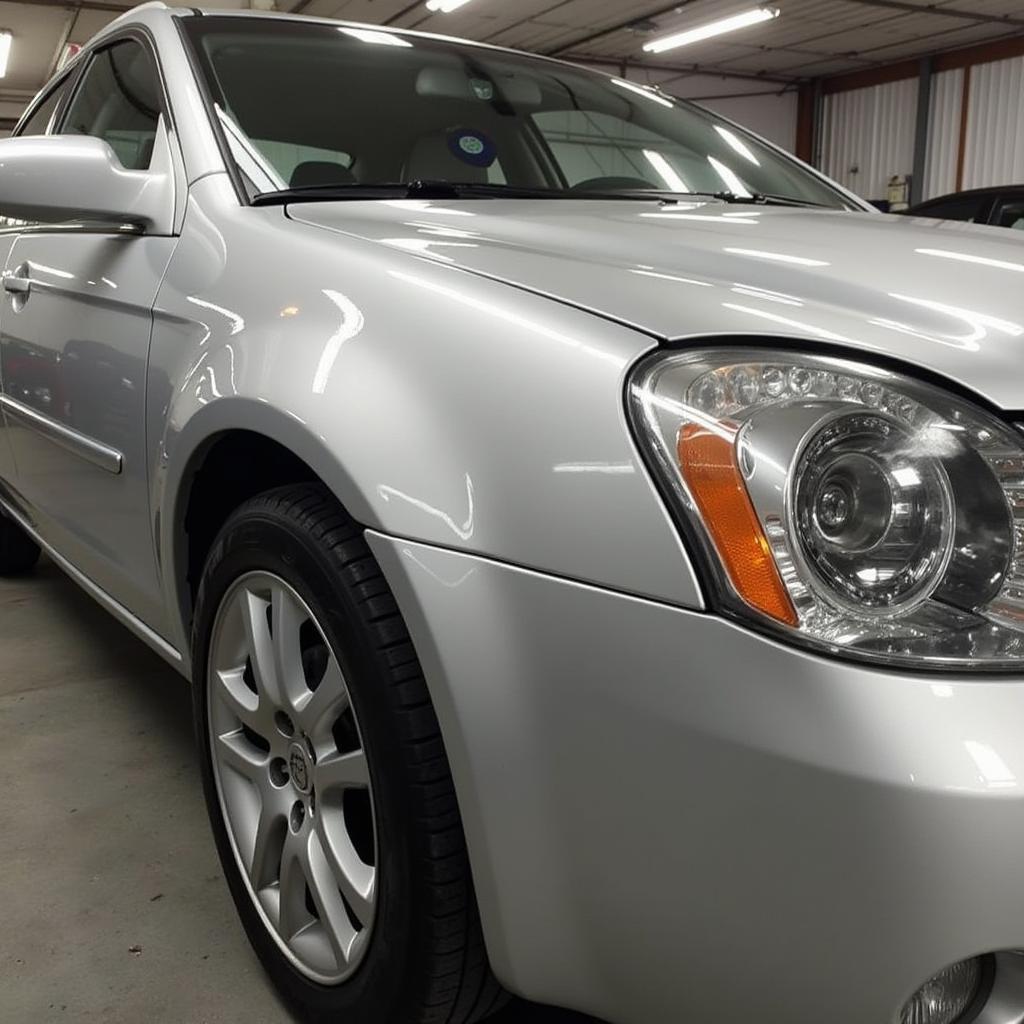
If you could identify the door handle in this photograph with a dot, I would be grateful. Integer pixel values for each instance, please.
(17, 285)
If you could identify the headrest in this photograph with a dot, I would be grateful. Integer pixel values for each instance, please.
(432, 159)
(320, 172)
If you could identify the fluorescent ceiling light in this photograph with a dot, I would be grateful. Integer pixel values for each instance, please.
(714, 28)
(445, 6)
(648, 94)
(5, 51)
(666, 171)
(369, 35)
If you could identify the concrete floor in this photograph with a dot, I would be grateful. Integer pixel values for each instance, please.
(112, 905)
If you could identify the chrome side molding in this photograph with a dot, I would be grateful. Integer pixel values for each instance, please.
(99, 454)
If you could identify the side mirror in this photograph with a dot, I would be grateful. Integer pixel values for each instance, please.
(77, 178)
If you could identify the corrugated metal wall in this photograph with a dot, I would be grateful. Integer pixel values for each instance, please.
(869, 136)
(994, 153)
(943, 134)
(872, 130)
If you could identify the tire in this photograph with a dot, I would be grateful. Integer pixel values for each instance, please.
(421, 956)
(18, 552)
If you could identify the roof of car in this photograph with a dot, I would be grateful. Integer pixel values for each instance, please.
(312, 19)
(161, 9)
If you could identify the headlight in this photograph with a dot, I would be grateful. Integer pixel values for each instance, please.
(852, 508)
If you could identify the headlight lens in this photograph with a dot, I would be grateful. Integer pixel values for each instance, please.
(851, 507)
(944, 998)
(874, 521)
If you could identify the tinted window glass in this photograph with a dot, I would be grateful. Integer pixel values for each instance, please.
(118, 101)
(376, 107)
(591, 144)
(954, 208)
(1010, 214)
(288, 157)
(40, 119)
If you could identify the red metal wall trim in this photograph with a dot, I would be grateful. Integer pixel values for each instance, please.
(805, 124)
(961, 155)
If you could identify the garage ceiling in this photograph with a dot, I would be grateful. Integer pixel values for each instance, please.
(811, 38)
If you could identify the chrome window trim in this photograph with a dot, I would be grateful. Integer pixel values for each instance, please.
(125, 617)
(95, 452)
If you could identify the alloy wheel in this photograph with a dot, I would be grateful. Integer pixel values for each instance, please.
(292, 777)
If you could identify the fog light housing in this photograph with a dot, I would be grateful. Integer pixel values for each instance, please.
(944, 998)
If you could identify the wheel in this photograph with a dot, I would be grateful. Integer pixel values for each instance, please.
(325, 775)
(18, 551)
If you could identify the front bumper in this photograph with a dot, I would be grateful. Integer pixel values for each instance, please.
(671, 818)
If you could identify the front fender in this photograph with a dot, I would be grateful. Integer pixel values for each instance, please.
(438, 406)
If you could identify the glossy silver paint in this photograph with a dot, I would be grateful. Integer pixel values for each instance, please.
(36, 172)
(78, 444)
(497, 386)
(74, 352)
(943, 298)
(668, 816)
(718, 829)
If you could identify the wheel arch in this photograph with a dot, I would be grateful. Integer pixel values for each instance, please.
(202, 479)
(228, 452)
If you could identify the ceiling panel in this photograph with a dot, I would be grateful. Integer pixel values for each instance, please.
(810, 38)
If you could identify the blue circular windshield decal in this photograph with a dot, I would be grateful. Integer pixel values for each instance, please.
(472, 147)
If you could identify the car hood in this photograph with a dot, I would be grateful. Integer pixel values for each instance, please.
(949, 298)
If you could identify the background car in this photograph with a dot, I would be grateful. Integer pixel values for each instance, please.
(999, 207)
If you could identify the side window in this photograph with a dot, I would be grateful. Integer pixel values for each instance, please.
(955, 208)
(1010, 214)
(118, 101)
(39, 121)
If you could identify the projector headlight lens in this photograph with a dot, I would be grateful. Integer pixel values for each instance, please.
(874, 520)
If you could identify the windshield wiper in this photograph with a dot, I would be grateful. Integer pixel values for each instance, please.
(725, 196)
(756, 199)
(354, 191)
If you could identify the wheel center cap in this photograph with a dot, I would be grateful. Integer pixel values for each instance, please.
(299, 769)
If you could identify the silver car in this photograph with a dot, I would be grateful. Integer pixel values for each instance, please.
(595, 540)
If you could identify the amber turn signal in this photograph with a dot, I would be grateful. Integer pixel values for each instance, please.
(707, 459)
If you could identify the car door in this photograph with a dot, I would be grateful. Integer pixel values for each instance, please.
(75, 329)
(36, 122)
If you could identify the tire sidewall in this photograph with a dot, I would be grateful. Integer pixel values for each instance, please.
(262, 541)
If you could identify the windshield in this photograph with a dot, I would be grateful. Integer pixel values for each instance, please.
(317, 105)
